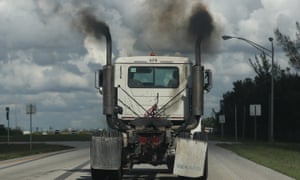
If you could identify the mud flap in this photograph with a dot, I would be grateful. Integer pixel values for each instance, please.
(190, 157)
(106, 152)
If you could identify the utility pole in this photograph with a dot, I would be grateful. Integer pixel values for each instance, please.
(7, 118)
(16, 116)
(244, 121)
(30, 109)
(271, 136)
(270, 53)
(235, 123)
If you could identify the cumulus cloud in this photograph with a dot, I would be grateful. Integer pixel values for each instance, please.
(45, 59)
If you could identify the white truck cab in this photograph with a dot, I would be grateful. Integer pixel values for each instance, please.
(152, 84)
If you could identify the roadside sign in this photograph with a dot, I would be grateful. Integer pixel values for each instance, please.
(30, 109)
(255, 110)
(7, 118)
(222, 119)
(7, 113)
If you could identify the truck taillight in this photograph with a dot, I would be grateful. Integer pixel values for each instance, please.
(155, 140)
(143, 140)
(152, 53)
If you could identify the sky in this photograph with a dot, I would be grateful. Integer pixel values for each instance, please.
(46, 60)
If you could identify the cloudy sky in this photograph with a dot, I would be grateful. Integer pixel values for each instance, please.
(46, 60)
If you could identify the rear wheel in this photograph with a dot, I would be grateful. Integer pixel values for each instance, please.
(106, 174)
(205, 175)
(200, 136)
(170, 163)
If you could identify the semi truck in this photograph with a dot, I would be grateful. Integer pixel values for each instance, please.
(153, 107)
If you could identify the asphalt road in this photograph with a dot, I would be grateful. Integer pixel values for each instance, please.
(74, 164)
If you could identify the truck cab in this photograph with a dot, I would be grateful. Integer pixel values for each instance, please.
(153, 86)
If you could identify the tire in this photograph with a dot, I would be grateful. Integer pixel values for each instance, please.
(205, 175)
(106, 174)
(170, 163)
(185, 135)
(97, 174)
(200, 136)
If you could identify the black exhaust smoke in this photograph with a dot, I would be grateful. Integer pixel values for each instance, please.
(171, 21)
(200, 23)
(90, 25)
(200, 28)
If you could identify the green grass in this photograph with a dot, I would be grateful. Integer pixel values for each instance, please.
(60, 137)
(19, 150)
(282, 157)
(212, 137)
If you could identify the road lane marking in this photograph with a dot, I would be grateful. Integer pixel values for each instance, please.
(24, 160)
(70, 172)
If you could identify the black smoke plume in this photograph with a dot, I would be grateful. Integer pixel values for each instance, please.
(200, 23)
(90, 25)
(175, 25)
(165, 26)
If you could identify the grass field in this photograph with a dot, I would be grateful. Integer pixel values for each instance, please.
(282, 157)
(20, 150)
(60, 137)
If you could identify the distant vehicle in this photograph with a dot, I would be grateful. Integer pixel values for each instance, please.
(26, 132)
(57, 132)
(209, 130)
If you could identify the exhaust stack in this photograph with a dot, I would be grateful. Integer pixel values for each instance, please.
(197, 82)
(107, 35)
(108, 76)
(198, 52)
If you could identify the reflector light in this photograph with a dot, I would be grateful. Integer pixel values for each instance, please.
(143, 140)
(155, 140)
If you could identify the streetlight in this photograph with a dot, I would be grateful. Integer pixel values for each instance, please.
(269, 53)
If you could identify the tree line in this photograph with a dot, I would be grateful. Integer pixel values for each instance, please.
(235, 103)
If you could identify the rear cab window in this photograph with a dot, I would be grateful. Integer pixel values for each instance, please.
(153, 77)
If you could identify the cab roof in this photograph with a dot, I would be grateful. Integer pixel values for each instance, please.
(153, 60)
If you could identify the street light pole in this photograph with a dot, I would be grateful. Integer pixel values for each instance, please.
(267, 52)
(271, 136)
(7, 118)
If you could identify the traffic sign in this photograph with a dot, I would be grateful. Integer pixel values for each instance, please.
(255, 110)
(222, 119)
